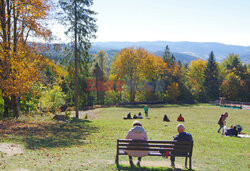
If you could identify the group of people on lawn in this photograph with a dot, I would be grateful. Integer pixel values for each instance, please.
(165, 118)
(138, 133)
(232, 131)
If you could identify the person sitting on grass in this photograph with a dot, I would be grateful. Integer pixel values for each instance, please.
(135, 117)
(140, 116)
(128, 116)
(165, 119)
(180, 118)
(222, 121)
(182, 136)
(136, 133)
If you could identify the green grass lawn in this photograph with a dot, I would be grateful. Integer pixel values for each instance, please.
(91, 145)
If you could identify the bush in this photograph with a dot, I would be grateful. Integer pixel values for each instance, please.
(52, 99)
(1, 106)
(67, 115)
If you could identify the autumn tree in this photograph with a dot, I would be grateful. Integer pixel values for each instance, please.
(236, 78)
(173, 92)
(138, 65)
(231, 86)
(82, 25)
(195, 77)
(19, 62)
(211, 83)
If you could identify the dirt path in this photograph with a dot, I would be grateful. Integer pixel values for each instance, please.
(10, 149)
(92, 114)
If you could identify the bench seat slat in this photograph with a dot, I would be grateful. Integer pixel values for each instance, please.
(147, 145)
(149, 141)
(151, 153)
(144, 149)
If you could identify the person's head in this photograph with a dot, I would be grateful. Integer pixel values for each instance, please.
(146, 105)
(180, 114)
(136, 123)
(139, 113)
(231, 126)
(226, 114)
(180, 128)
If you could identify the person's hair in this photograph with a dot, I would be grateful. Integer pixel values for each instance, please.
(180, 126)
(180, 114)
(136, 123)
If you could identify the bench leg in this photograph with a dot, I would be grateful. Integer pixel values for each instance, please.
(117, 160)
(186, 162)
(190, 163)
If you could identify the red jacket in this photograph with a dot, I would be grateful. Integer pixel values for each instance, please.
(180, 119)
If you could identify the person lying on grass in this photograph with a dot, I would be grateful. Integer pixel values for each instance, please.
(232, 131)
(182, 136)
(136, 133)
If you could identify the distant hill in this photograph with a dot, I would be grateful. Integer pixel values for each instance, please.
(183, 51)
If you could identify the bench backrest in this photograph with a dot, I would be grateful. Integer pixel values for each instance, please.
(141, 145)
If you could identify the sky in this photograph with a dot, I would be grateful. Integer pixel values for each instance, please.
(224, 21)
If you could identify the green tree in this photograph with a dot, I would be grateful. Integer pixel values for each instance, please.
(82, 24)
(102, 59)
(211, 83)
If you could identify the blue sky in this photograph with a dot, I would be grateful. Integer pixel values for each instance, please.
(225, 21)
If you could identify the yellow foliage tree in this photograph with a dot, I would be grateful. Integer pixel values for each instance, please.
(135, 65)
(20, 62)
(195, 75)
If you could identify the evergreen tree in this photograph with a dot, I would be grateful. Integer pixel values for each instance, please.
(211, 84)
(79, 17)
(168, 57)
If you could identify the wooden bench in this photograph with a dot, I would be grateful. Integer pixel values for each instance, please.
(177, 149)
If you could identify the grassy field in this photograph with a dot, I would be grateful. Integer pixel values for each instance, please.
(91, 145)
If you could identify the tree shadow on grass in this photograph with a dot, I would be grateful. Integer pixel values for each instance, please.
(126, 168)
(36, 135)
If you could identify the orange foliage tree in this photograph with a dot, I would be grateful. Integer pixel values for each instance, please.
(20, 62)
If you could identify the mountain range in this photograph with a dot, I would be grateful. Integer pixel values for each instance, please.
(183, 51)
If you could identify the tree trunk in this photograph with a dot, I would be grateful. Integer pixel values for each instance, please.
(6, 107)
(15, 99)
(15, 106)
(76, 63)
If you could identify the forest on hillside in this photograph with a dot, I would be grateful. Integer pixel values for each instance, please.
(38, 78)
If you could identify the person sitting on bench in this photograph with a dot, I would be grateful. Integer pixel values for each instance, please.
(136, 133)
(180, 119)
(128, 116)
(165, 119)
(135, 117)
(140, 116)
(182, 136)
